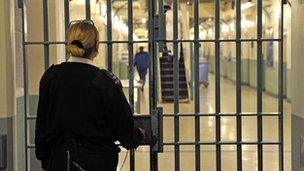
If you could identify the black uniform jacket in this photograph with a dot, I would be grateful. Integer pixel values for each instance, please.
(86, 103)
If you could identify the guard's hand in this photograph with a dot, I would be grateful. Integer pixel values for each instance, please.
(44, 164)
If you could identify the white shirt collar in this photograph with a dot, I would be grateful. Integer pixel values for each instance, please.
(81, 60)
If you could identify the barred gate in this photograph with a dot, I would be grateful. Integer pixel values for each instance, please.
(156, 8)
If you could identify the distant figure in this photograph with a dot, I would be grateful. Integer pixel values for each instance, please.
(142, 63)
(202, 58)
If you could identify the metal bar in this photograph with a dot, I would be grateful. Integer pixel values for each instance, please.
(259, 84)
(281, 102)
(157, 40)
(162, 24)
(158, 31)
(131, 71)
(25, 82)
(222, 143)
(219, 40)
(88, 9)
(66, 23)
(220, 115)
(152, 71)
(109, 35)
(45, 43)
(154, 79)
(46, 34)
(217, 85)
(176, 84)
(239, 84)
(32, 117)
(168, 143)
(196, 86)
(123, 41)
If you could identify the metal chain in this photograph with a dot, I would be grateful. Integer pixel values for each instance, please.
(69, 162)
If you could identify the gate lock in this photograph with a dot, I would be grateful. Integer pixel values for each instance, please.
(153, 126)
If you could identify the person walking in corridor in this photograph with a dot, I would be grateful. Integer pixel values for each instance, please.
(82, 110)
(142, 63)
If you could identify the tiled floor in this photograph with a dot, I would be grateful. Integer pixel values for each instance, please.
(228, 131)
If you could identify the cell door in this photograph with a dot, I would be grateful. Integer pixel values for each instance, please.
(196, 135)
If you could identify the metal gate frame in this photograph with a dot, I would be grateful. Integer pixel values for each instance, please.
(153, 75)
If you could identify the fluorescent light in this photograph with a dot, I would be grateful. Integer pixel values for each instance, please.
(116, 21)
(246, 5)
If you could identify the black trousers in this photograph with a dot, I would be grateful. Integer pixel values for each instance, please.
(142, 75)
(87, 159)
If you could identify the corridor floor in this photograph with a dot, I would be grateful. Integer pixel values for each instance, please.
(228, 131)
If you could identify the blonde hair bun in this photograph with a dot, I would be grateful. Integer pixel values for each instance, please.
(76, 51)
(82, 39)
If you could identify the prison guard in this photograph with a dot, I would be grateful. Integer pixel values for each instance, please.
(82, 102)
(42, 148)
(122, 114)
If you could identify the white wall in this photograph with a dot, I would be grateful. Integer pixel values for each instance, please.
(6, 62)
(297, 63)
(297, 60)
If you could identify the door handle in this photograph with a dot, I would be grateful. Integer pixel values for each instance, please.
(153, 126)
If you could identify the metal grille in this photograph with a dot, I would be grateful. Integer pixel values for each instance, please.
(153, 41)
